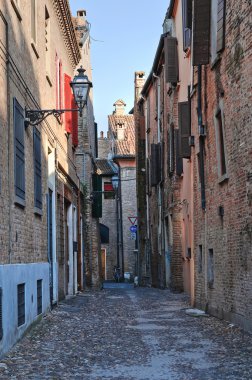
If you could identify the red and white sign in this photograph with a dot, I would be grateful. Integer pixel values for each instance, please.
(133, 220)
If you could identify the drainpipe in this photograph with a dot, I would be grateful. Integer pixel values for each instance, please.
(202, 172)
(121, 221)
(201, 139)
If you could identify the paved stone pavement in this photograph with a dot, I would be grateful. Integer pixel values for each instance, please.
(137, 334)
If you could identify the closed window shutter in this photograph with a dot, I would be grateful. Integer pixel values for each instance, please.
(68, 103)
(37, 168)
(188, 14)
(74, 123)
(179, 160)
(184, 130)
(19, 150)
(187, 23)
(171, 150)
(97, 199)
(155, 164)
(171, 59)
(221, 25)
(201, 32)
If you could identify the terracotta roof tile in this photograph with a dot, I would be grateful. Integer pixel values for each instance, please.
(127, 145)
(105, 167)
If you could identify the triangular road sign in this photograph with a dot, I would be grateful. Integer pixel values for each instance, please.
(132, 220)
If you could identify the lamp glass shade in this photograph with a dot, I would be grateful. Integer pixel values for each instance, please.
(81, 86)
(115, 181)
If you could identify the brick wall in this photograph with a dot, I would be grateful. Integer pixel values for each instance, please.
(228, 88)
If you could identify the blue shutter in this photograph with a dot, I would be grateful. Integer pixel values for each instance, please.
(19, 150)
(37, 168)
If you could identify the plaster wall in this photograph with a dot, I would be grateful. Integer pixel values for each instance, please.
(10, 277)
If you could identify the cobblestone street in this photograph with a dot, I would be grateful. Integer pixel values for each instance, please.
(129, 335)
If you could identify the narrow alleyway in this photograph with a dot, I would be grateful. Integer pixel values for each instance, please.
(129, 334)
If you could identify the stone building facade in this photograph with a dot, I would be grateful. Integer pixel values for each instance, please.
(202, 85)
(119, 146)
(86, 153)
(109, 222)
(39, 183)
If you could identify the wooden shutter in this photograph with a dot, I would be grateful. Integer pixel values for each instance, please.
(188, 14)
(37, 168)
(171, 150)
(19, 150)
(153, 177)
(184, 130)
(179, 160)
(187, 23)
(201, 32)
(221, 25)
(97, 199)
(68, 103)
(155, 164)
(171, 59)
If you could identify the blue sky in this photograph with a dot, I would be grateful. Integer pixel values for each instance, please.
(124, 37)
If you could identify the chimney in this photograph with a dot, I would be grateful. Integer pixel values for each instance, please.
(101, 135)
(119, 107)
(139, 83)
(81, 13)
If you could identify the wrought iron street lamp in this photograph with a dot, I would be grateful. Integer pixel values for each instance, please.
(115, 181)
(80, 86)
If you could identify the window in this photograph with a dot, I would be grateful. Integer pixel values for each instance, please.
(39, 297)
(187, 23)
(58, 83)
(47, 43)
(200, 259)
(210, 271)
(34, 21)
(220, 145)
(19, 159)
(179, 159)
(21, 304)
(218, 12)
(201, 31)
(1, 314)
(109, 192)
(171, 60)
(37, 169)
(184, 129)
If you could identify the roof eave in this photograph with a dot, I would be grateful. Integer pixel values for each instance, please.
(155, 64)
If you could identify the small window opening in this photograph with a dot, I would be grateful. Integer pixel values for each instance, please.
(21, 304)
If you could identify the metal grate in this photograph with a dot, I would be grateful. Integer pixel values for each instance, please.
(21, 304)
(1, 315)
(39, 297)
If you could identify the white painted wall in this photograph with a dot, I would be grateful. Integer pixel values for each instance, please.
(10, 277)
(52, 186)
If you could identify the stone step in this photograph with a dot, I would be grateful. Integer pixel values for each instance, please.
(117, 285)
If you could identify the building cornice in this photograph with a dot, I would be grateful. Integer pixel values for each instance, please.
(63, 12)
(155, 65)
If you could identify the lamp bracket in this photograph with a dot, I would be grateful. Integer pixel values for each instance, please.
(35, 117)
